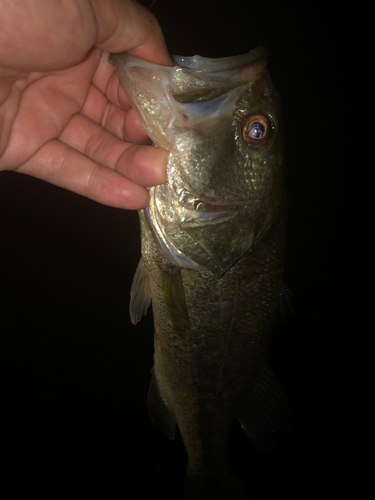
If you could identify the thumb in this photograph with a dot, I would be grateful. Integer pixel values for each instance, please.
(128, 26)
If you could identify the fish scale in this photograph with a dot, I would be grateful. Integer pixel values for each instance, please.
(213, 241)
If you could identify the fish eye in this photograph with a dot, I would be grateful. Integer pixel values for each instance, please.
(256, 130)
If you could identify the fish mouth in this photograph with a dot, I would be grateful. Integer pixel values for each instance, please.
(160, 92)
(198, 219)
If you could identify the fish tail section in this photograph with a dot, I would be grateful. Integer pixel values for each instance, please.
(214, 488)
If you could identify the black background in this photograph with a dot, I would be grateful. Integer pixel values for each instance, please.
(75, 371)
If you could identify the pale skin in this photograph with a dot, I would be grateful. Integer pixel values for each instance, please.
(63, 116)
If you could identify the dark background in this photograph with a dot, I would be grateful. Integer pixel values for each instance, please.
(75, 371)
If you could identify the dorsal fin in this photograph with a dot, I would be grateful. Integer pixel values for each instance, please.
(266, 411)
(285, 301)
(285, 306)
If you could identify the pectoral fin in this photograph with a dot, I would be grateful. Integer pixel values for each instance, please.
(285, 305)
(265, 412)
(174, 295)
(140, 293)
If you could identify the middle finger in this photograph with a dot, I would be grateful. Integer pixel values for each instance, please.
(145, 165)
(125, 124)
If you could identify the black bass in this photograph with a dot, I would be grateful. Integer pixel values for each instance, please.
(212, 255)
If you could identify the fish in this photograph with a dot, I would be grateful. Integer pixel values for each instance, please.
(212, 245)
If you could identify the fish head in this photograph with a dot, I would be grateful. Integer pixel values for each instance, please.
(220, 121)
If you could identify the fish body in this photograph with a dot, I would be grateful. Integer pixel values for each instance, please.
(213, 239)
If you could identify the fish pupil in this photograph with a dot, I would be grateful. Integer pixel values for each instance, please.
(256, 130)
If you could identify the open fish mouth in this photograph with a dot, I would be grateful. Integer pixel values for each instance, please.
(187, 109)
(197, 90)
(194, 78)
(200, 216)
(201, 79)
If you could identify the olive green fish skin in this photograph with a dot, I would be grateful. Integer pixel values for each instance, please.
(213, 241)
(206, 374)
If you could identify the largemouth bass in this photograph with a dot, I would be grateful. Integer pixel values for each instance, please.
(212, 255)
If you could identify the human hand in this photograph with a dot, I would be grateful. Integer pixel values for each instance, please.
(63, 116)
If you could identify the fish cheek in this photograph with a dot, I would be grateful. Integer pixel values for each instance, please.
(206, 162)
